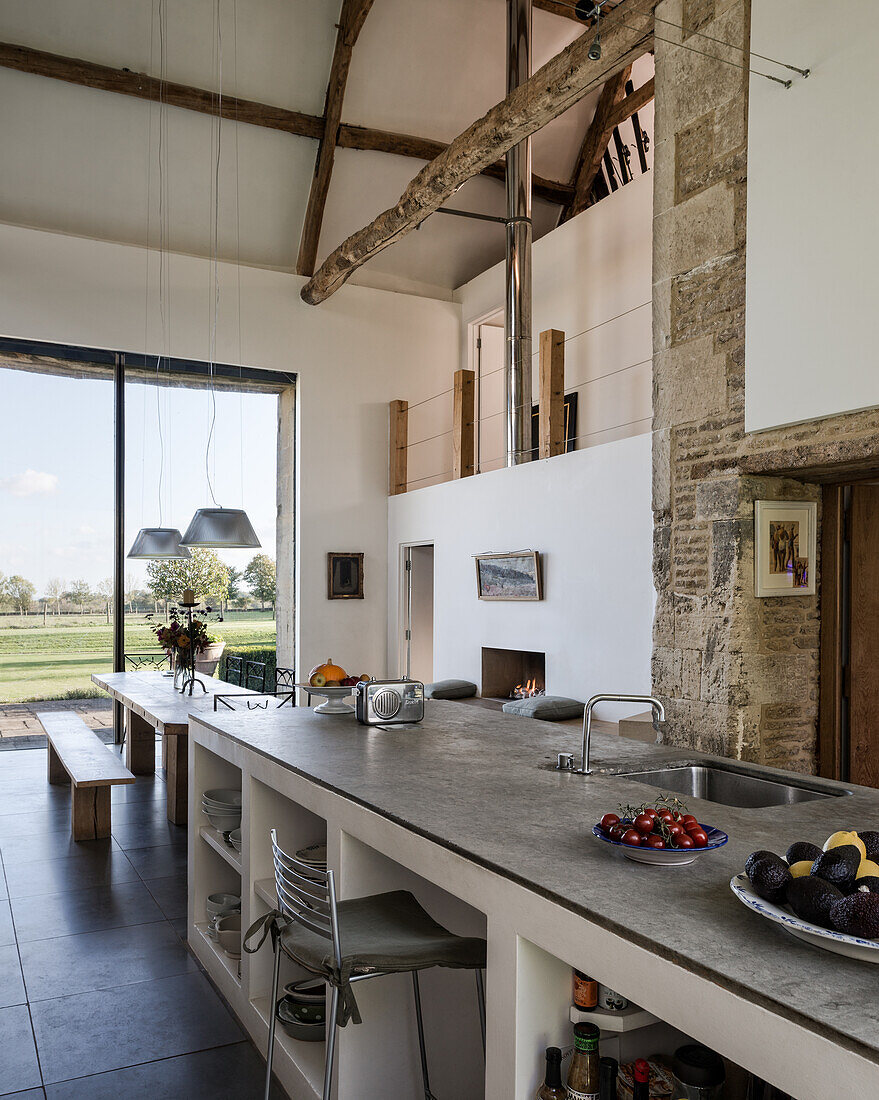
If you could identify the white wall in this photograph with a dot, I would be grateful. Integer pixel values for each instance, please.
(591, 279)
(349, 354)
(589, 514)
(813, 234)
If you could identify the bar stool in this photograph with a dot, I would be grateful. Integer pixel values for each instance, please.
(351, 941)
(235, 671)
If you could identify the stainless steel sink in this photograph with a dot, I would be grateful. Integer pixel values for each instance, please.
(729, 787)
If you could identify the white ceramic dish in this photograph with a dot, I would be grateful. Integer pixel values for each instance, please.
(224, 822)
(825, 938)
(222, 903)
(235, 839)
(229, 934)
(223, 796)
(314, 854)
(333, 696)
(666, 857)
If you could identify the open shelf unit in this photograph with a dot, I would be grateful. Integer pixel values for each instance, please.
(214, 838)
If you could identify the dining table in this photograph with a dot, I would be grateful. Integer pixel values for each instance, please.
(152, 704)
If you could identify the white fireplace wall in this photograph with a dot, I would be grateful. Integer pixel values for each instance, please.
(589, 514)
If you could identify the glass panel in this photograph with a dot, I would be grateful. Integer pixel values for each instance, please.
(167, 431)
(56, 535)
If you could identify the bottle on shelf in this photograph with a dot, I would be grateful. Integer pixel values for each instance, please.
(641, 1074)
(585, 991)
(583, 1073)
(607, 1079)
(552, 1087)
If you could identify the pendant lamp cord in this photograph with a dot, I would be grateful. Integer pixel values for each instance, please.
(215, 248)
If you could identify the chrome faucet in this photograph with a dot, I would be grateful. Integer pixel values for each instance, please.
(584, 769)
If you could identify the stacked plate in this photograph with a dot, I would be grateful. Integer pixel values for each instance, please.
(222, 808)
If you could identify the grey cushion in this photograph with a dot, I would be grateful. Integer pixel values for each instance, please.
(450, 689)
(551, 708)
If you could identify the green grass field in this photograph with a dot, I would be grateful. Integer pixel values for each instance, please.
(57, 660)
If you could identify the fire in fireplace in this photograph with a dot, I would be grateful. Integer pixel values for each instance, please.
(512, 673)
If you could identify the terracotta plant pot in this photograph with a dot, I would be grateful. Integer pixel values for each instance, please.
(206, 662)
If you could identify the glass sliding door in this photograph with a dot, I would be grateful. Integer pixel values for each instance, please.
(56, 533)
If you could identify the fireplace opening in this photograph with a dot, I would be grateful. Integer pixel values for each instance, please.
(512, 673)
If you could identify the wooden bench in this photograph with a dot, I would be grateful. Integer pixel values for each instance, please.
(77, 754)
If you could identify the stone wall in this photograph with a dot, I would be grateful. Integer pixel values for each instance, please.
(738, 675)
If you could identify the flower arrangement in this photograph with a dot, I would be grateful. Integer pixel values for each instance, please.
(179, 637)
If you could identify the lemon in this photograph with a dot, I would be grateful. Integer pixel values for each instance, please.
(801, 868)
(837, 840)
(867, 869)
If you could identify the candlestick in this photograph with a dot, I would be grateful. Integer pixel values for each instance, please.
(188, 597)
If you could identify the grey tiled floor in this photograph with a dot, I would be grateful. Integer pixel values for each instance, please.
(99, 994)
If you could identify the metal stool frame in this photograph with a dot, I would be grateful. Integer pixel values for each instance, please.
(308, 896)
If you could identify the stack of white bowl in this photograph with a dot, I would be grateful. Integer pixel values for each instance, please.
(234, 838)
(315, 857)
(220, 905)
(222, 808)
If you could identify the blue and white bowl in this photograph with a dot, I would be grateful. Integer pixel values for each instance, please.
(666, 857)
(826, 938)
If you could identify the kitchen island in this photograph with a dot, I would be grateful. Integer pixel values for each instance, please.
(466, 811)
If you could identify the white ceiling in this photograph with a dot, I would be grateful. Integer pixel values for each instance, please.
(83, 161)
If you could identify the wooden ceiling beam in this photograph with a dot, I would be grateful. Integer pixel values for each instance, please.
(351, 20)
(631, 104)
(73, 70)
(565, 9)
(595, 142)
(627, 33)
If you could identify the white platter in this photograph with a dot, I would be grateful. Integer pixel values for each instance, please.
(851, 946)
(333, 696)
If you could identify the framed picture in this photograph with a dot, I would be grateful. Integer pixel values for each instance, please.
(570, 425)
(785, 544)
(514, 576)
(344, 576)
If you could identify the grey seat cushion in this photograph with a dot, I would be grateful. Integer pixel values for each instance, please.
(450, 689)
(388, 932)
(550, 708)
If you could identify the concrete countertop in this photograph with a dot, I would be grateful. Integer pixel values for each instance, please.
(472, 780)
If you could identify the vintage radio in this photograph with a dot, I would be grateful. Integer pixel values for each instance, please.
(382, 702)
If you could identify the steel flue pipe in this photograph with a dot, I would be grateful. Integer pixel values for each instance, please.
(517, 298)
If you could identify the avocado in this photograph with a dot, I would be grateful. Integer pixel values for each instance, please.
(755, 857)
(838, 866)
(770, 879)
(871, 843)
(812, 899)
(857, 915)
(800, 850)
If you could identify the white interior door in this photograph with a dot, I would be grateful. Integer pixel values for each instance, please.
(418, 658)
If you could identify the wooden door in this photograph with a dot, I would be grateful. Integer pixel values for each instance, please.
(863, 686)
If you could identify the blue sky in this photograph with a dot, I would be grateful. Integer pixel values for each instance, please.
(56, 470)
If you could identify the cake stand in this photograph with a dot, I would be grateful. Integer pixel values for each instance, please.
(334, 699)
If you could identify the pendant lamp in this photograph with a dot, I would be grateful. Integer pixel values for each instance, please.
(223, 528)
(158, 542)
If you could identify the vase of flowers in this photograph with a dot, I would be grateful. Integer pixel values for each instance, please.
(189, 644)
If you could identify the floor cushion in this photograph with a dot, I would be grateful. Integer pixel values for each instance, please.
(549, 708)
(450, 689)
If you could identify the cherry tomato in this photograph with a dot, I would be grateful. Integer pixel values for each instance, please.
(687, 820)
(654, 842)
(665, 815)
(632, 837)
(684, 841)
(674, 829)
(608, 820)
(618, 831)
(643, 823)
(650, 811)
(692, 825)
(699, 838)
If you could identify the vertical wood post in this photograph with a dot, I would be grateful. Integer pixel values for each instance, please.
(463, 434)
(552, 393)
(399, 442)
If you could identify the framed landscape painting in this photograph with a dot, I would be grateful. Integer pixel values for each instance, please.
(513, 576)
(785, 545)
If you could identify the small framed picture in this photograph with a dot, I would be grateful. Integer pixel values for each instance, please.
(785, 546)
(344, 576)
(513, 576)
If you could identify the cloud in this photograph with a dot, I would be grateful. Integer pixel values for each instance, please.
(30, 483)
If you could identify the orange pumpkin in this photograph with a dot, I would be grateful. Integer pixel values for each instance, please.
(326, 672)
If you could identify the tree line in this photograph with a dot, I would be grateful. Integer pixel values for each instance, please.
(209, 577)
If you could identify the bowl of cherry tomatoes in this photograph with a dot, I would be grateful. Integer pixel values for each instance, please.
(661, 833)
